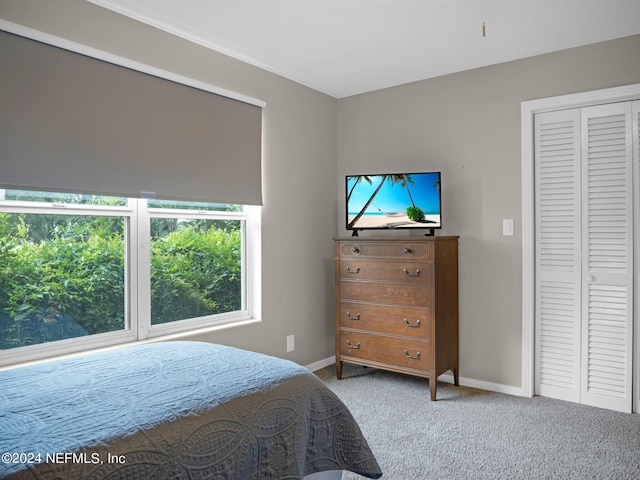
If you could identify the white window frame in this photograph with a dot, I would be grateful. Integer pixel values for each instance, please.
(137, 273)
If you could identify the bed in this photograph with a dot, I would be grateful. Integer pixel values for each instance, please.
(175, 410)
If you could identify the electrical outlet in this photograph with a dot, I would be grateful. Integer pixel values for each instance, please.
(290, 343)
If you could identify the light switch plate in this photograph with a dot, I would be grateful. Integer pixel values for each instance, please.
(507, 227)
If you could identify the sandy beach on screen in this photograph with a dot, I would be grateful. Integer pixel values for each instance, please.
(400, 220)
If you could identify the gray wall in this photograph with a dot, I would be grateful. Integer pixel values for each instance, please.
(299, 169)
(468, 126)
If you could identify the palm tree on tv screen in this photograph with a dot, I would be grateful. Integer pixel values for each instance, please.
(359, 178)
(402, 179)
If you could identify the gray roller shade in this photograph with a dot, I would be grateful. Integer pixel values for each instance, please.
(73, 123)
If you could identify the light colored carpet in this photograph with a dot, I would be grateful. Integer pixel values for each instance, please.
(474, 434)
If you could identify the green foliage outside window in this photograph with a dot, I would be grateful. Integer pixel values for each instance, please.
(64, 276)
(196, 271)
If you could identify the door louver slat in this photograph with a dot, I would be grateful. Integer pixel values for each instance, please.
(557, 331)
(606, 193)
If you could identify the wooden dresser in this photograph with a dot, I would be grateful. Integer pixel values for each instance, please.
(397, 305)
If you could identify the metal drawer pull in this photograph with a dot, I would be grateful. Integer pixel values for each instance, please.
(417, 324)
(415, 357)
(407, 251)
(357, 317)
(356, 346)
(357, 270)
(406, 272)
(355, 250)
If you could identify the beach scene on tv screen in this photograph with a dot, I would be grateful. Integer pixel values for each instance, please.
(393, 201)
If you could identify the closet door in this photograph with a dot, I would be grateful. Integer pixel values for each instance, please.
(558, 256)
(584, 255)
(607, 245)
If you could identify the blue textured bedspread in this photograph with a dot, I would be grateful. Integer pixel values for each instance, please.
(174, 410)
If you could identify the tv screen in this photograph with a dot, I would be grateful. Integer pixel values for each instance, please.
(389, 201)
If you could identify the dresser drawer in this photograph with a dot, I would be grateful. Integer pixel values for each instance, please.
(396, 250)
(390, 350)
(409, 322)
(407, 295)
(416, 273)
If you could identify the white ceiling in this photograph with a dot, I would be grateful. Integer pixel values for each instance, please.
(346, 47)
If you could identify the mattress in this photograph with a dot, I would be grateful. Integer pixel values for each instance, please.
(174, 410)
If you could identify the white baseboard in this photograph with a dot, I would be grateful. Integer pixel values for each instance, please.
(321, 364)
(482, 385)
(446, 378)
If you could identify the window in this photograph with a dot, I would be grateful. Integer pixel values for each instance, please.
(81, 271)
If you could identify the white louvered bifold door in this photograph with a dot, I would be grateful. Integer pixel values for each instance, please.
(584, 255)
(607, 245)
(558, 262)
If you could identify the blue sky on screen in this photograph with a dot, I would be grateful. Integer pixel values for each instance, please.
(395, 198)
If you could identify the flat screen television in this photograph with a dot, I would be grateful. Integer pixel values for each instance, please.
(393, 201)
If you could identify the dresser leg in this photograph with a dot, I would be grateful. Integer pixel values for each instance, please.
(433, 386)
(339, 370)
